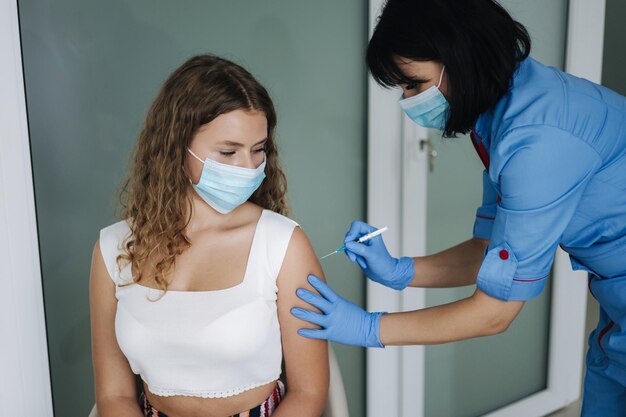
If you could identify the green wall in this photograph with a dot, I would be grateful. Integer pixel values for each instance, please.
(614, 55)
(91, 71)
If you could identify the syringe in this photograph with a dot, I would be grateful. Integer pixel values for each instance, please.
(359, 240)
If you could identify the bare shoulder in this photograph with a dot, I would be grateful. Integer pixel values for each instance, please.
(300, 261)
(98, 268)
(101, 282)
(300, 245)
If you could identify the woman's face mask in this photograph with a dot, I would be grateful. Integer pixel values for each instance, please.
(428, 108)
(225, 187)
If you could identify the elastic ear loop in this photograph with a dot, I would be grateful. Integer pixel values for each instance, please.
(196, 156)
(440, 77)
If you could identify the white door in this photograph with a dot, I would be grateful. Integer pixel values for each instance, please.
(536, 366)
(25, 376)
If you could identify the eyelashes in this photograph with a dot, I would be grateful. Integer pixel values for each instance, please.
(231, 153)
(412, 84)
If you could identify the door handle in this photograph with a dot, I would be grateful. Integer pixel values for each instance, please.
(432, 152)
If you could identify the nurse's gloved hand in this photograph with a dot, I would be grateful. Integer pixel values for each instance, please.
(374, 259)
(341, 321)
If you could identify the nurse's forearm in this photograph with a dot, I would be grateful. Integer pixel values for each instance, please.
(454, 267)
(478, 315)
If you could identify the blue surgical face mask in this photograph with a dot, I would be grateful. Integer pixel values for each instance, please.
(428, 108)
(225, 187)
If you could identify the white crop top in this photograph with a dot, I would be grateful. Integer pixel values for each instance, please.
(203, 343)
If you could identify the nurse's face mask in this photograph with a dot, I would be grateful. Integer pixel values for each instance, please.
(225, 187)
(428, 108)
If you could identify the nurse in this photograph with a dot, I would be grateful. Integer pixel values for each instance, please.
(554, 151)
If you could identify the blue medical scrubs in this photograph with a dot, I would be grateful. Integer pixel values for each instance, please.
(554, 149)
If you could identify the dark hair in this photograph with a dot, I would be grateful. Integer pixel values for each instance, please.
(478, 41)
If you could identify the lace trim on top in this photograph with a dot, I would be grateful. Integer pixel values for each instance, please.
(170, 392)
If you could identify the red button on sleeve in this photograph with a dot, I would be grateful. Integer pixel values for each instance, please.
(504, 254)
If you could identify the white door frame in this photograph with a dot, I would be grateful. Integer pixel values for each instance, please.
(397, 179)
(25, 380)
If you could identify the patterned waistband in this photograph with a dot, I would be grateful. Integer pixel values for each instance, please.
(265, 409)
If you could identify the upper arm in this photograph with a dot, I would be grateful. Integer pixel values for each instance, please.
(486, 213)
(113, 376)
(542, 173)
(306, 360)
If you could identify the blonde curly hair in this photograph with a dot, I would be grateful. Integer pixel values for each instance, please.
(155, 198)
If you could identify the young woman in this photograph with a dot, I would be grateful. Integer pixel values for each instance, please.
(554, 150)
(192, 289)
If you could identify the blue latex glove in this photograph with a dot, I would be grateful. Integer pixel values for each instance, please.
(341, 321)
(374, 259)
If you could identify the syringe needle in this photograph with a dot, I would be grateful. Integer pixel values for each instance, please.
(326, 256)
